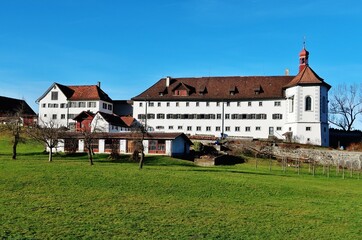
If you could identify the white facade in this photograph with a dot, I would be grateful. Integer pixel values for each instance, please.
(291, 108)
(251, 119)
(100, 124)
(55, 107)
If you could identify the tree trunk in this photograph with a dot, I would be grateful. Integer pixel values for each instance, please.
(50, 154)
(141, 160)
(90, 156)
(16, 141)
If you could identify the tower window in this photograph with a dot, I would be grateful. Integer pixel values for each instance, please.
(308, 103)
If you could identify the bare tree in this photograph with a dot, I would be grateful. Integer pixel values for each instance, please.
(138, 131)
(345, 106)
(89, 136)
(49, 134)
(13, 124)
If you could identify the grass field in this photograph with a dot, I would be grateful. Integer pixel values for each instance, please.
(170, 199)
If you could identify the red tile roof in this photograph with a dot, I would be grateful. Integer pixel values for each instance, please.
(307, 77)
(81, 92)
(218, 88)
(128, 120)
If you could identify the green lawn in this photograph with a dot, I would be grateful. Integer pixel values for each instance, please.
(171, 199)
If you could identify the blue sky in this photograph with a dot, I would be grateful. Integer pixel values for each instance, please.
(129, 45)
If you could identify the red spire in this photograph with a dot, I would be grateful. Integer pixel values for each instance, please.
(303, 58)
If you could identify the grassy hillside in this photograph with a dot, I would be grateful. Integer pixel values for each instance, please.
(171, 199)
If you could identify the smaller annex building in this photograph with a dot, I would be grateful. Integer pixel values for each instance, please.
(9, 107)
(171, 144)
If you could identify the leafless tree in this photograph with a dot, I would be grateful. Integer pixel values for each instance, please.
(89, 136)
(138, 131)
(13, 124)
(49, 133)
(345, 106)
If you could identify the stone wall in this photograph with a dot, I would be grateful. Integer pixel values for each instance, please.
(322, 156)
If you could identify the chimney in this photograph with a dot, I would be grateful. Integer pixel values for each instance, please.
(286, 72)
(99, 84)
(168, 81)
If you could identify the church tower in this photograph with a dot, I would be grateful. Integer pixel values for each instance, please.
(307, 105)
(303, 58)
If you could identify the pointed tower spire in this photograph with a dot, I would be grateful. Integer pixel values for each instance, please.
(303, 57)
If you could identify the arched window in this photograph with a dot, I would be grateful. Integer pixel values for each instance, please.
(308, 103)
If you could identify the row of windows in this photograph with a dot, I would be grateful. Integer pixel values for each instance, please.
(207, 104)
(62, 116)
(208, 116)
(217, 128)
(71, 105)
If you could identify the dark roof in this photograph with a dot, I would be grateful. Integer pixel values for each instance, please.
(307, 77)
(84, 115)
(12, 105)
(218, 88)
(113, 119)
(81, 92)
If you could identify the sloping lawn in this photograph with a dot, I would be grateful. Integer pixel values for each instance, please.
(170, 199)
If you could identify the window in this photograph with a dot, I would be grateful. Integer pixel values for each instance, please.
(247, 129)
(228, 104)
(279, 128)
(237, 129)
(187, 104)
(308, 103)
(227, 129)
(179, 127)
(234, 116)
(110, 107)
(62, 116)
(308, 128)
(150, 104)
(104, 105)
(160, 127)
(207, 104)
(141, 116)
(71, 116)
(291, 104)
(238, 104)
(217, 129)
(197, 104)
(290, 129)
(167, 104)
(150, 116)
(227, 116)
(44, 105)
(158, 104)
(170, 127)
(260, 104)
(277, 104)
(81, 104)
(277, 116)
(217, 104)
(208, 128)
(140, 104)
(54, 116)
(189, 128)
(54, 96)
(92, 104)
(218, 116)
(63, 105)
(257, 128)
(198, 128)
(177, 104)
(249, 104)
(45, 115)
(160, 116)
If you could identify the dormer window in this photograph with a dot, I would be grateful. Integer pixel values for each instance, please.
(258, 90)
(180, 93)
(233, 90)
